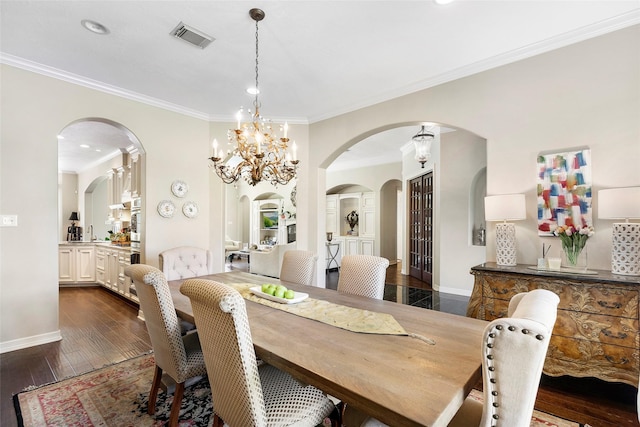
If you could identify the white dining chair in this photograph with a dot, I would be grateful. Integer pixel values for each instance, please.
(513, 353)
(298, 267)
(179, 356)
(185, 261)
(363, 275)
(245, 394)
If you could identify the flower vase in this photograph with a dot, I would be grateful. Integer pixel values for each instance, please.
(574, 258)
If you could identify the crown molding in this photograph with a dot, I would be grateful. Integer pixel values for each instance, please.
(603, 27)
(55, 73)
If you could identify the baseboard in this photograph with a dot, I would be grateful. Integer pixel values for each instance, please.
(454, 291)
(30, 341)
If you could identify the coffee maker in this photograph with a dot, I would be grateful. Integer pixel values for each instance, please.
(74, 233)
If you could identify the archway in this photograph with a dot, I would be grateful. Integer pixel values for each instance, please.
(88, 149)
(457, 156)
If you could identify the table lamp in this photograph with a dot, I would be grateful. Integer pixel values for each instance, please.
(506, 207)
(622, 203)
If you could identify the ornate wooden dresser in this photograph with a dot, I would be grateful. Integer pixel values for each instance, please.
(596, 333)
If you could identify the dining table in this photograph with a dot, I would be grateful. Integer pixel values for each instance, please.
(417, 379)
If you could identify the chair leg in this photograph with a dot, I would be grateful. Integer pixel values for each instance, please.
(175, 406)
(217, 421)
(153, 394)
(336, 417)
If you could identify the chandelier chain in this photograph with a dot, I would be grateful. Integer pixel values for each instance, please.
(255, 102)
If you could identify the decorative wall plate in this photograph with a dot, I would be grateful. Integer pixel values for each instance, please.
(179, 188)
(166, 208)
(190, 209)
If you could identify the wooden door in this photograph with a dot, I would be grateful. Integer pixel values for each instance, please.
(421, 228)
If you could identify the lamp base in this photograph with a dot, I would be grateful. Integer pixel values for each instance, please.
(506, 244)
(625, 249)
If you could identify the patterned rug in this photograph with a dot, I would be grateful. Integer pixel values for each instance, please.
(118, 395)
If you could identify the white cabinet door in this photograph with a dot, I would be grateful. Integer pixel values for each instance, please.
(351, 246)
(368, 215)
(85, 264)
(66, 265)
(101, 266)
(367, 246)
(124, 282)
(332, 225)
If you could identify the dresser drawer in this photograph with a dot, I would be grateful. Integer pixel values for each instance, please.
(619, 331)
(581, 358)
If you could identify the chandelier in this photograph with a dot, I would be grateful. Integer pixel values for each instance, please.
(257, 154)
(422, 141)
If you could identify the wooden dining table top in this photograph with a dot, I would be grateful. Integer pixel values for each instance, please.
(400, 380)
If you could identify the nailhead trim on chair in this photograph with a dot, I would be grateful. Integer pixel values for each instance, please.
(492, 369)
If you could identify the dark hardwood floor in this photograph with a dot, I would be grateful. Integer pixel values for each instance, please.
(100, 328)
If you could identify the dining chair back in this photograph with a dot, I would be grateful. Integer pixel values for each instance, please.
(363, 275)
(178, 356)
(298, 267)
(513, 353)
(185, 261)
(245, 394)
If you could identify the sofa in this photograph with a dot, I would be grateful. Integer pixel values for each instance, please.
(268, 262)
(230, 246)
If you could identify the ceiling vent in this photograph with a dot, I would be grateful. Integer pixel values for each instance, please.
(191, 35)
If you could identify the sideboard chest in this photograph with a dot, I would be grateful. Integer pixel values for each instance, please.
(596, 333)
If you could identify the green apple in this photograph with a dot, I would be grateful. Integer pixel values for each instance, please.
(289, 294)
(272, 289)
(279, 293)
(265, 288)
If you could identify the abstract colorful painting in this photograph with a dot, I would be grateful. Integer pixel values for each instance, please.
(564, 190)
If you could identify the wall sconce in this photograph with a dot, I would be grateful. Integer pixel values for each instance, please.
(506, 207)
(622, 203)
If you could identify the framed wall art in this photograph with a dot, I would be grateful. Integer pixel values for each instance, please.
(564, 190)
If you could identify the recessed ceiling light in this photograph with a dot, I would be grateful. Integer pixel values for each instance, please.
(84, 146)
(98, 150)
(443, 1)
(94, 27)
(253, 91)
(60, 137)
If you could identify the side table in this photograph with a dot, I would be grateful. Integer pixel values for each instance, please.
(333, 249)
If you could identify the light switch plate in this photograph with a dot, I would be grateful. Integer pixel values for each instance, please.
(9, 221)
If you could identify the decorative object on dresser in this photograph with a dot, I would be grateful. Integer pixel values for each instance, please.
(574, 241)
(597, 332)
(506, 207)
(622, 203)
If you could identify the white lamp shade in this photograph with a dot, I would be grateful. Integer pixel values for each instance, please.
(619, 203)
(505, 207)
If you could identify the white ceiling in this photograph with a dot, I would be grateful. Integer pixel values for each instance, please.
(318, 59)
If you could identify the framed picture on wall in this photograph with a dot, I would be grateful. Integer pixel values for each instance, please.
(564, 190)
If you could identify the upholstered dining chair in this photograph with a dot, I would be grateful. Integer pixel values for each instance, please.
(179, 356)
(245, 394)
(363, 275)
(298, 267)
(513, 353)
(185, 261)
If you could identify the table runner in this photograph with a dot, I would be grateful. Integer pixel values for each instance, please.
(344, 317)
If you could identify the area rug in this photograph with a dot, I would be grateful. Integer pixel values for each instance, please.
(539, 418)
(118, 396)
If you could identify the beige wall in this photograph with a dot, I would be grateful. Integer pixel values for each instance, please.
(585, 94)
(34, 109)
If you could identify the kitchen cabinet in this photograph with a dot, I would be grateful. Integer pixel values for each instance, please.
(76, 264)
(596, 332)
(110, 265)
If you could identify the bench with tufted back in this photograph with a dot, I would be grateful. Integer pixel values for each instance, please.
(185, 261)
